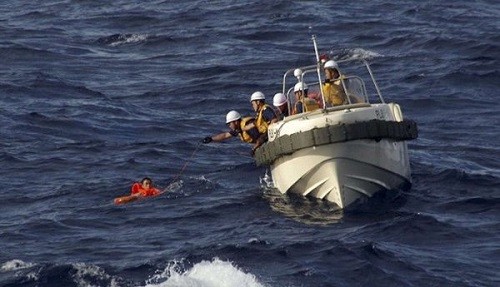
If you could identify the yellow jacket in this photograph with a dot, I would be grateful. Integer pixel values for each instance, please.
(308, 105)
(251, 135)
(260, 123)
(334, 93)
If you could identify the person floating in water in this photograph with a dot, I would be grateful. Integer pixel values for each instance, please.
(144, 188)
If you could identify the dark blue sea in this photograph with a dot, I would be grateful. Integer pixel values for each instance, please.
(95, 95)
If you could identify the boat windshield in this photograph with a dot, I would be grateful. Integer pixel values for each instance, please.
(349, 88)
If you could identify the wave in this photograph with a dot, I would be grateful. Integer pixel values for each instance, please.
(122, 39)
(360, 53)
(25, 53)
(206, 273)
(76, 274)
(472, 205)
(453, 165)
(44, 80)
(211, 273)
(14, 265)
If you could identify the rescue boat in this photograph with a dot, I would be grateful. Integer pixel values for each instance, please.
(343, 154)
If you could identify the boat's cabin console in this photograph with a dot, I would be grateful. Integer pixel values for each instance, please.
(354, 73)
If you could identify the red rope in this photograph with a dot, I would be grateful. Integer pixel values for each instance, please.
(183, 167)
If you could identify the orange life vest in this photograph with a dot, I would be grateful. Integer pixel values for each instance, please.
(138, 189)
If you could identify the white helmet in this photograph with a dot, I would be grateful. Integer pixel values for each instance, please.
(232, 116)
(297, 73)
(331, 64)
(299, 87)
(279, 99)
(257, 96)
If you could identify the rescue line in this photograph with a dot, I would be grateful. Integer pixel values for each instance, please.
(145, 189)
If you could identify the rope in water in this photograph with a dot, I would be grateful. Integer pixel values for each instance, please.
(183, 167)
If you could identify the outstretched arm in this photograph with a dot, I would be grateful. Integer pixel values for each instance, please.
(218, 137)
(222, 136)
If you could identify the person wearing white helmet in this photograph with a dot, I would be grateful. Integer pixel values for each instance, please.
(333, 90)
(238, 127)
(264, 116)
(281, 103)
(302, 102)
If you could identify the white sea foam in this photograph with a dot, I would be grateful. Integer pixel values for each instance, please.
(174, 186)
(85, 273)
(215, 273)
(266, 181)
(14, 265)
(18, 266)
(126, 39)
(359, 53)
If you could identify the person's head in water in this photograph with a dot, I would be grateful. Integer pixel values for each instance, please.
(146, 183)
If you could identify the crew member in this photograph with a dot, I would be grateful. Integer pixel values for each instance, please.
(265, 115)
(242, 127)
(332, 87)
(281, 103)
(302, 102)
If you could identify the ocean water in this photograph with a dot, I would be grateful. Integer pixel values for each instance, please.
(95, 96)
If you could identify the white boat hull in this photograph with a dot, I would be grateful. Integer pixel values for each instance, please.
(342, 172)
(333, 172)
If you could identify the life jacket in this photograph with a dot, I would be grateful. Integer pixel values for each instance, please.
(138, 189)
(308, 105)
(334, 93)
(251, 135)
(260, 123)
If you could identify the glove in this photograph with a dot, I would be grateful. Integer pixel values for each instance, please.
(206, 140)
